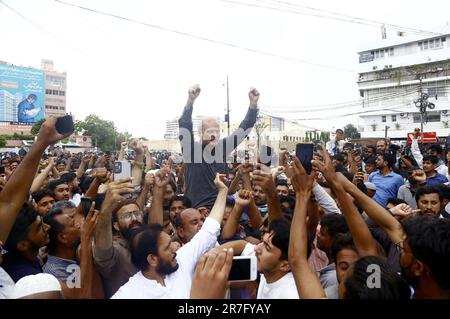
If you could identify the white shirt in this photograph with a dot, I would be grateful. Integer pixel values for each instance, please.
(76, 199)
(283, 288)
(177, 284)
(6, 284)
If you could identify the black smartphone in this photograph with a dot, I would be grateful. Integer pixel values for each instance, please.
(244, 268)
(64, 124)
(86, 204)
(304, 153)
(99, 198)
(265, 155)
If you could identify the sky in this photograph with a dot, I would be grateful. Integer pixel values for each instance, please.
(138, 76)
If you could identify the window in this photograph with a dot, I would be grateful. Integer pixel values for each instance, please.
(377, 54)
(431, 44)
(382, 54)
(383, 118)
(62, 93)
(420, 46)
(433, 117)
(416, 117)
(394, 118)
(425, 45)
(47, 91)
(391, 51)
(437, 42)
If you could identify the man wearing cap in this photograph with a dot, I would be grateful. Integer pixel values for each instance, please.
(39, 286)
(336, 144)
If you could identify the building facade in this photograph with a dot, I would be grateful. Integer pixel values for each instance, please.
(55, 90)
(55, 99)
(392, 75)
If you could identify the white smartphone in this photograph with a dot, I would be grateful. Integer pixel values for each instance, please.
(244, 268)
(122, 169)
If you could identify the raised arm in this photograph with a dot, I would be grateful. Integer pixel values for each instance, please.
(16, 190)
(243, 200)
(253, 212)
(83, 164)
(362, 237)
(415, 150)
(265, 181)
(377, 213)
(185, 125)
(138, 164)
(308, 285)
(219, 205)
(103, 231)
(101, 176)
(236, 138)
(69, 163)
(40, 179)
(149, 181)
(234, 183)
(155, 214)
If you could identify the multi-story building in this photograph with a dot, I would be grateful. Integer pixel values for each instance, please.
(55, 96)
(172, 128)
(55, 90)
(392, 72)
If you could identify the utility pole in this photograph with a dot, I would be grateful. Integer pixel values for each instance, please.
(422, 103)
(228, 108)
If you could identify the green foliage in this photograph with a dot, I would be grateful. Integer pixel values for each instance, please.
(104, 133)
(351, 131)
(36, 127)
(2, 141)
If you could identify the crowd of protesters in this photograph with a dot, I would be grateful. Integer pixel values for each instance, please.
(367, 223)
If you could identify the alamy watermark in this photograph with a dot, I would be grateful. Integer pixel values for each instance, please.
(374, 279)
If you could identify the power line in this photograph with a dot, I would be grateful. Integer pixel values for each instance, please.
(342, 105)
(223, 43)
(337, 106)
(40, 28)
(378, 23)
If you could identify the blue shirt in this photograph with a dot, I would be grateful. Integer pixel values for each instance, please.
(59, 267)
(437, 180)
(387, 186)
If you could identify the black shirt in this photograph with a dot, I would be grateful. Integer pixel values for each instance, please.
(17, 267)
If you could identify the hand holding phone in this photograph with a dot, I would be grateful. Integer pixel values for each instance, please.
(304, 153)
(64, 125)
(243, 268)
(122, 170)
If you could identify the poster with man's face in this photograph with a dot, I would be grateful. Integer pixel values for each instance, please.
(22, 94)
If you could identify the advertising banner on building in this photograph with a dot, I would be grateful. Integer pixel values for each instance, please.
(22, 95)
(428, 137)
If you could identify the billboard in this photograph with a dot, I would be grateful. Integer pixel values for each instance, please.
(428, 137)
(22, 95)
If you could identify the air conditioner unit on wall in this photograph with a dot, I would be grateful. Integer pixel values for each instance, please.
(403, 115)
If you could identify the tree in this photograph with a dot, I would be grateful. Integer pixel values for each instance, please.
(2, 141)
(37, 126)
(351, 131)
(103, 132)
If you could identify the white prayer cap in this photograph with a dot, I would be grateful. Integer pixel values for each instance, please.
(34, 284)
